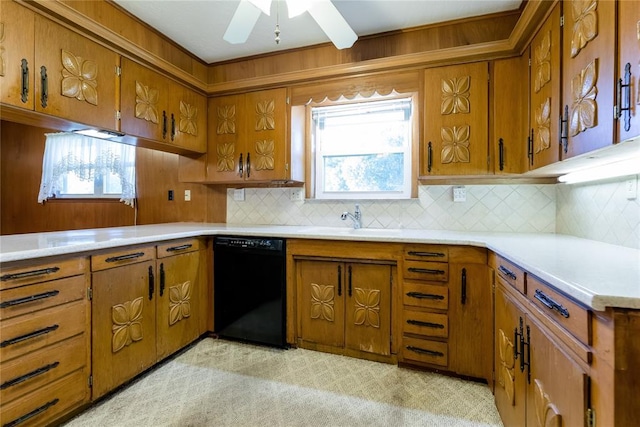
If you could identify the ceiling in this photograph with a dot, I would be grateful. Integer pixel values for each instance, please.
(198, 25)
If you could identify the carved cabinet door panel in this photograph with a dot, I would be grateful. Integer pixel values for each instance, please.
(367, 307)
(226, 152)
(189, 124)
(588, 64)
(456, 128)
(629, 53)
(17, 67)
(75, 78)
(124, 324)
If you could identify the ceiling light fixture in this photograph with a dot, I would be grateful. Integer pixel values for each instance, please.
(611, 170)
(322, 11)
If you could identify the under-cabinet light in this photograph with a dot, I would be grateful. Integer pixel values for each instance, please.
(100, 133)
(611, 170)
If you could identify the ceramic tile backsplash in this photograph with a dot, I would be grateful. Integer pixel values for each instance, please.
(599, 211)
(508, 208)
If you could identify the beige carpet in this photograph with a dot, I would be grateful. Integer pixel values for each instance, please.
(223, 383)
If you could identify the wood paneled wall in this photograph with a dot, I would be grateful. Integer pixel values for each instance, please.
(21, 152)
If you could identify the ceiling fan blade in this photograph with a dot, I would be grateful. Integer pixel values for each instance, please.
(333, 24)
(242, 23)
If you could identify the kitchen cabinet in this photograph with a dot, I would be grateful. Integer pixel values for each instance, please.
(628, 70)
(456, 127)
(345, 305)
(588, 66)
(44, 328)
(157, 108)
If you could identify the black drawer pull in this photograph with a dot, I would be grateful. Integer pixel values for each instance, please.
(420, 295)
(426, 324)
(550, 303)
(29, 273)
(179, 248)
(424, 351)
(427, 254)
(425, 270)
(29, 375)
(32, 414)
(510, 274)
(28, 336)
(30, 298)
(124, 257)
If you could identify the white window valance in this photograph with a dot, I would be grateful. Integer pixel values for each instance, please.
(86, 157)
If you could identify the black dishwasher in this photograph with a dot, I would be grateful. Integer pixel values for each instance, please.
(249, 289)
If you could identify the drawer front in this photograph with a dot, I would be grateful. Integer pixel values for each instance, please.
(41, 407)
(510, 273)
(427, 296)
(428, 271)
(427, 324)
(177, 247)
(31, 332)
(27, 299)
(425, 351)
(123, 257)
(568, 314)
(16, 275)
(37, 369)
(437, 253)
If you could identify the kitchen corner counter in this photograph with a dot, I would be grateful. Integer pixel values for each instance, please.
(598, 275)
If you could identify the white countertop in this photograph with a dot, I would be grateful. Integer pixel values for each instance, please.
(599, 275)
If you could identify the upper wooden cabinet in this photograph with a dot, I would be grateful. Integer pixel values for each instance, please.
(157, 108)
(456, 125)
(629, 70)
(588, 64)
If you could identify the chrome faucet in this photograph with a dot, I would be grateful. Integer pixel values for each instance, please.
(356, 217)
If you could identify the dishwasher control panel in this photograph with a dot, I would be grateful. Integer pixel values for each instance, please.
(264, 243)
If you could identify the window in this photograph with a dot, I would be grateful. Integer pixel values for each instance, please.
(78, 166)
(363, 150)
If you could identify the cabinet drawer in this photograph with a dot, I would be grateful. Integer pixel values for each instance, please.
(19, 275)
(436, 253)
(123, 257)
(23, 334)
(33, 371)
(429, 271)
(509, 272)
(178, 247)
(568, 314)
(49, 402)
(427, 296)
(17, 301)
(425, 351)
(427, 324)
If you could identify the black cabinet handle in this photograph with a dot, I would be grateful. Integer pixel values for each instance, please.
(173, 127)
(510, 274)
(424, 351)
(425, 270)
(550, 303)
(427, 254)
(30, 298)
(31, 414)
(564, 130)
(44, 85)
(248, 165)
(350, 284)
(161, 279)
(240, 166)
(164, 124)
(339, 280)
(28, 376)
(124, 257)
(530, 147)
(463, 286)
(528, 361)
(425, 324)
(151, 283)
(522, 362)
(429, 157)
(516, 341)
(626, 106)
(420, 295)
(501, 154)
(31, 273)
(24, 89)
(28, 336)
(179, 248)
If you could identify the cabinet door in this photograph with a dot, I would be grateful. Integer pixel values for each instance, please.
(557, 386)
(546, 48)
(368, 306)
(80, 82)
(189, 114)
(471, 320)
(588, 63)
(178, 302)
(226, 151)
(124, 324)
(629, 53)
(509, 390)
(456, 120)
(321, 290)
(17, 66)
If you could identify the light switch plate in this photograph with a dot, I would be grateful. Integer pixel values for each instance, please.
(631, 187)
(187, 195)
(238, 194)
(459, 194)
(296, 194)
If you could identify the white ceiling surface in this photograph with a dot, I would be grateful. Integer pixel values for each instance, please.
(198, 25)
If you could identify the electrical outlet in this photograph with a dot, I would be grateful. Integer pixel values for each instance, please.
(187, 195)
(631, 187)
(238, 194)
(170, 195)
(296, 194)
(459, 194)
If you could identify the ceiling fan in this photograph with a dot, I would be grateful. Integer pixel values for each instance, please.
(322, 11)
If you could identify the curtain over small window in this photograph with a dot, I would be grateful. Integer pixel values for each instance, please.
(80, 166)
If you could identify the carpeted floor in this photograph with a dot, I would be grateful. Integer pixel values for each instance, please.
(223, 383)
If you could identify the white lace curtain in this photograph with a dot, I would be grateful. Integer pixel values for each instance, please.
(86, 157)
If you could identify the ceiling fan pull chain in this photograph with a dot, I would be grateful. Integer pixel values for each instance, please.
(277, 30)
